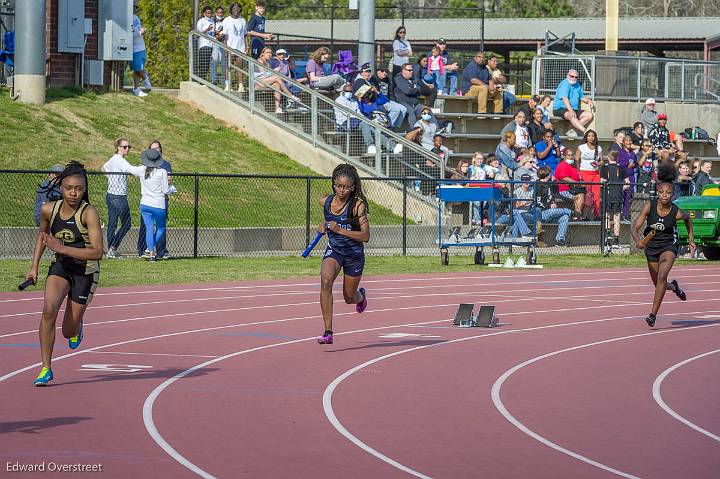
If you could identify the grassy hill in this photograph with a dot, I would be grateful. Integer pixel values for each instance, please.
(84, 126)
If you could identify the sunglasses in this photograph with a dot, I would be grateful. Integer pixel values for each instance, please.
(125, 146)
(572, 76)
(343, 187)
(401, 31)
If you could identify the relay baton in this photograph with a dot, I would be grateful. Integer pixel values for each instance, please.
(312, 244)
(646, 239)
(26, 283)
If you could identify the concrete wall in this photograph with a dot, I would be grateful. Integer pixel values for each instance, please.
(302, 151)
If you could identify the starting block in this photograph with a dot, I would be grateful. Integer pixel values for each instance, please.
(485, 317)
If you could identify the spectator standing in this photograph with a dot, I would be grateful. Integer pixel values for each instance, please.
(451, 68)
(316, 73)
(424, 81)
(646, 167)
(477, 83)
(565, 173)
(615, 178)
(648, 115)
(436, 68)
(402, 50)
(139, 56)
(568, 96)
(590, 155)
(116, 197)
(548, 151)
(627, 158)
(637, 136)
(219, 57)
(407, 93)
(206, 26)
(48, 191)
(234, 28)
(256, 29)
(154, 187)
(161, 246)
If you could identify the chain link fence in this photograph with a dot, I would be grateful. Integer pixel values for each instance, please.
(264, 215)
(631, 78)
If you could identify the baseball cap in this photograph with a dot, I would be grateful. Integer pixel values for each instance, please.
(650, 101)
(662, 116)
(281, 50)
(365, 67)
(57, 168)
(441, 41)
(362, 91)
(525, 177)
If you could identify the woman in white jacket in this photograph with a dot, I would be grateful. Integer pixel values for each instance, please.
(154, 186)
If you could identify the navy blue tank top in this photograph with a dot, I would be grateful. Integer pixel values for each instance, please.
(342, 244)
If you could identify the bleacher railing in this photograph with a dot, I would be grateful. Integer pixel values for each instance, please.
(631, 78)
(305, 112)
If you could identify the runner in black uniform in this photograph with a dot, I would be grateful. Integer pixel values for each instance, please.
(347, 227)
(662, 249)
(70, 227)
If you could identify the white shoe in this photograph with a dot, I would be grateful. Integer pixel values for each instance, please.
(571, 133)
(241, 88)
(398, 148)
(139, 92)
(227, 86)
(371, 150)
(148, 85)
(279, 110)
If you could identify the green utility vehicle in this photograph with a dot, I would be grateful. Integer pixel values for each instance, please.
(705, 216)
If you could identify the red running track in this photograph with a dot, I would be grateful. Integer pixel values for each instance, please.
(227, 380)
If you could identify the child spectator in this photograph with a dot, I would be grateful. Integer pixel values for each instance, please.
(440, 150)
(256, 29)
(615, 178)
(451, 68)
(436, 67)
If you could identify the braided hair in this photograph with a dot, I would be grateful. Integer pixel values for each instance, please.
(356, 194)
(71, 169)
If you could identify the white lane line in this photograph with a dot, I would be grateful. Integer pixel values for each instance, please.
(658, 397)
(495, 394)
(314, 284)
(327, 395)
(156, 354)
(478, 295)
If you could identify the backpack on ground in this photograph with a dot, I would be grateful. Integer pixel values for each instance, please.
(696, 133)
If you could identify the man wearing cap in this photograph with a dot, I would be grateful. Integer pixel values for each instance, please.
(648, 115)
(566, 104)
(659, 136)
(154, 187)
(451, 69)
(395, 111)
(116, 197)
(407, 93)
(381, 81)
(343, 121)
(46, 193)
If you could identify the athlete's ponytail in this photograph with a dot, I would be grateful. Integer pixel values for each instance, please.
(666, 172)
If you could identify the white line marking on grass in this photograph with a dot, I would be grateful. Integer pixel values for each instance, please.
(658, 397)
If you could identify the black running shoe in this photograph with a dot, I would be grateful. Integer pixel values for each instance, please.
(650, 320)
(678, 292)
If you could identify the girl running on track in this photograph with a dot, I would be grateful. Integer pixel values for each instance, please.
(69, 227)
(347, 227)
(662, 248)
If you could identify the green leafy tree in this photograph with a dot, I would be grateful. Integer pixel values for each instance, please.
(535, 8)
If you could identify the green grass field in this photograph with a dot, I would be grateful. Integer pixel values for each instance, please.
(84, 127)
(127, 272)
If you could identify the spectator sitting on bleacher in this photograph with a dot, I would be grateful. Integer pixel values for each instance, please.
(429, 128)
(549, 211)
(500, 81)
(637, 136)
(568, 96)
(566, 172)
(424, 81)
(407, 93)
(396, 112)
(548, 151)
(648, 115)
(316, 74)
(522, 134)
(521, 210)
(381, 81)
(536, 127)
(343, 121)
(451, 68)
(461, 170)
(441, 150)
(529, 108)
(477, 83)
(545, 106)
(505, 153)
(371, 105)
(265, 79)
(527, 167)
(684, 185)
(659, 136)
(702, 177)
(424, 165)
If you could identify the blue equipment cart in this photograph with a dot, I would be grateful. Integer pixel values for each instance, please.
(479, 236)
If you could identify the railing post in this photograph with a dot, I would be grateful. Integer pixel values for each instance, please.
(378, 149)
(404, 218)
(191, 60)
(603, 216)
(314, 119)
(196, 225)
(307, 210)
(592, 69)
(251, 86)
(682, 81)
(639, 63)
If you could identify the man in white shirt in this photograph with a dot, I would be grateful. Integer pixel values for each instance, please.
(139, 56)
(116, 197)
(234, 28)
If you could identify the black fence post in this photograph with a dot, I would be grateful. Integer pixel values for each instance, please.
(404, 219)
(307, 210)
(195, 219)
(604, 224)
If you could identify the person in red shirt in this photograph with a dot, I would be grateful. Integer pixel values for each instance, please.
(566, 171)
